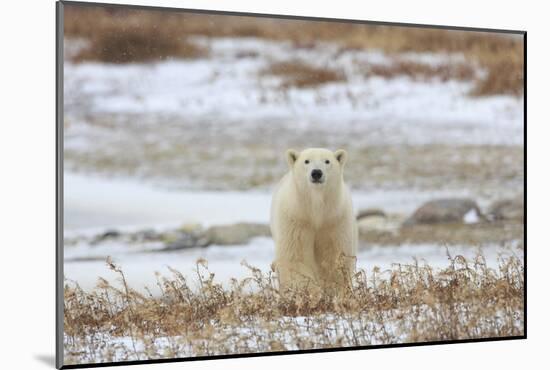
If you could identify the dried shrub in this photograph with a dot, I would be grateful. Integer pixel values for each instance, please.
(409, 303)
(503, 77)
(420, 71)
(125, 36)
(301, 75)
(135, 44)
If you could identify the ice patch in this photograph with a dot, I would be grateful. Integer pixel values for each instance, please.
(97, 203)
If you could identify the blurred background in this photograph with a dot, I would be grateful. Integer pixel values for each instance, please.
(176, 124)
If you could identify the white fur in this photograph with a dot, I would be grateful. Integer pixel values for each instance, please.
(313, 225)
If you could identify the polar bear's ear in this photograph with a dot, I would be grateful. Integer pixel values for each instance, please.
(291, 157)
(341, 156)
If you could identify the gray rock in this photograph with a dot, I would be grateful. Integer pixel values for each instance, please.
(239, 233)
(371, 212)
(107, 235)
(507, 209)
(147, 235)
(380, 224)
(452, 210)
(185, 241)
(178, 240)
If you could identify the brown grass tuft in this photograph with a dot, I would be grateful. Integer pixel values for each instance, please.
(500, 55)
(135, 44)
(409, 303)
(122, 37)
(504, 76)
(419, 71)
(302, 75)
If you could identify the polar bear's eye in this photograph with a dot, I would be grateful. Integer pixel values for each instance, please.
(327, 161)
(307, 161)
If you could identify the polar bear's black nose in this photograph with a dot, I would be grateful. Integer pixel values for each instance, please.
(316, 174)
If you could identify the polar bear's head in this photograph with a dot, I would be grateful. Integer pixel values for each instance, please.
(317, 167)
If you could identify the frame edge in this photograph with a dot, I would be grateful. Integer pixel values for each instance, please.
(59, 23)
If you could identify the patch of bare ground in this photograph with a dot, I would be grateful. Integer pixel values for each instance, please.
(448, 234)
(209, 165)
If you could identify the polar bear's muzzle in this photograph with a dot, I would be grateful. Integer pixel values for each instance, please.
(317, 176)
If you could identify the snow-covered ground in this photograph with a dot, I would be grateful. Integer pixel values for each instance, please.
(225, 261)
(254, 334)
(223, 116)
(229, 86)
(223, 123)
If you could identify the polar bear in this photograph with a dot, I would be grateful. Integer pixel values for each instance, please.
(312, 221)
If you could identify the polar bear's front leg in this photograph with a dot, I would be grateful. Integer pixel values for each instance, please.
(335, 254)
(295, 259)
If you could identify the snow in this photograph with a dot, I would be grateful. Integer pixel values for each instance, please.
(139, 266)
(108, 203)
(253, 333)
(229, 88)
(257, 334)
(471, 217)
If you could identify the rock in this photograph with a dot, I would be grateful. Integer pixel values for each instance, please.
(192, 227)
(184, 241)
(452, 210)
(109, 234)
(176, 240)
(507, 209)
(371, 212)
(239, 233)
(147, 235)
(377, 224)
(193, 236)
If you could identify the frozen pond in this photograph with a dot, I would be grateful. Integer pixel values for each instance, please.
(93, 205)
(97, 203)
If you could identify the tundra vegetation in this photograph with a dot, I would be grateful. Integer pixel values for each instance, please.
(408, 303)
(130, 35)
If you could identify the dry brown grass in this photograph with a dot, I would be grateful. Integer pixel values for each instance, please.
(419, 71)
(503, 76)
(500, 55)
(301, 75)
(135, 44)
(120, 37)
(410, 303)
